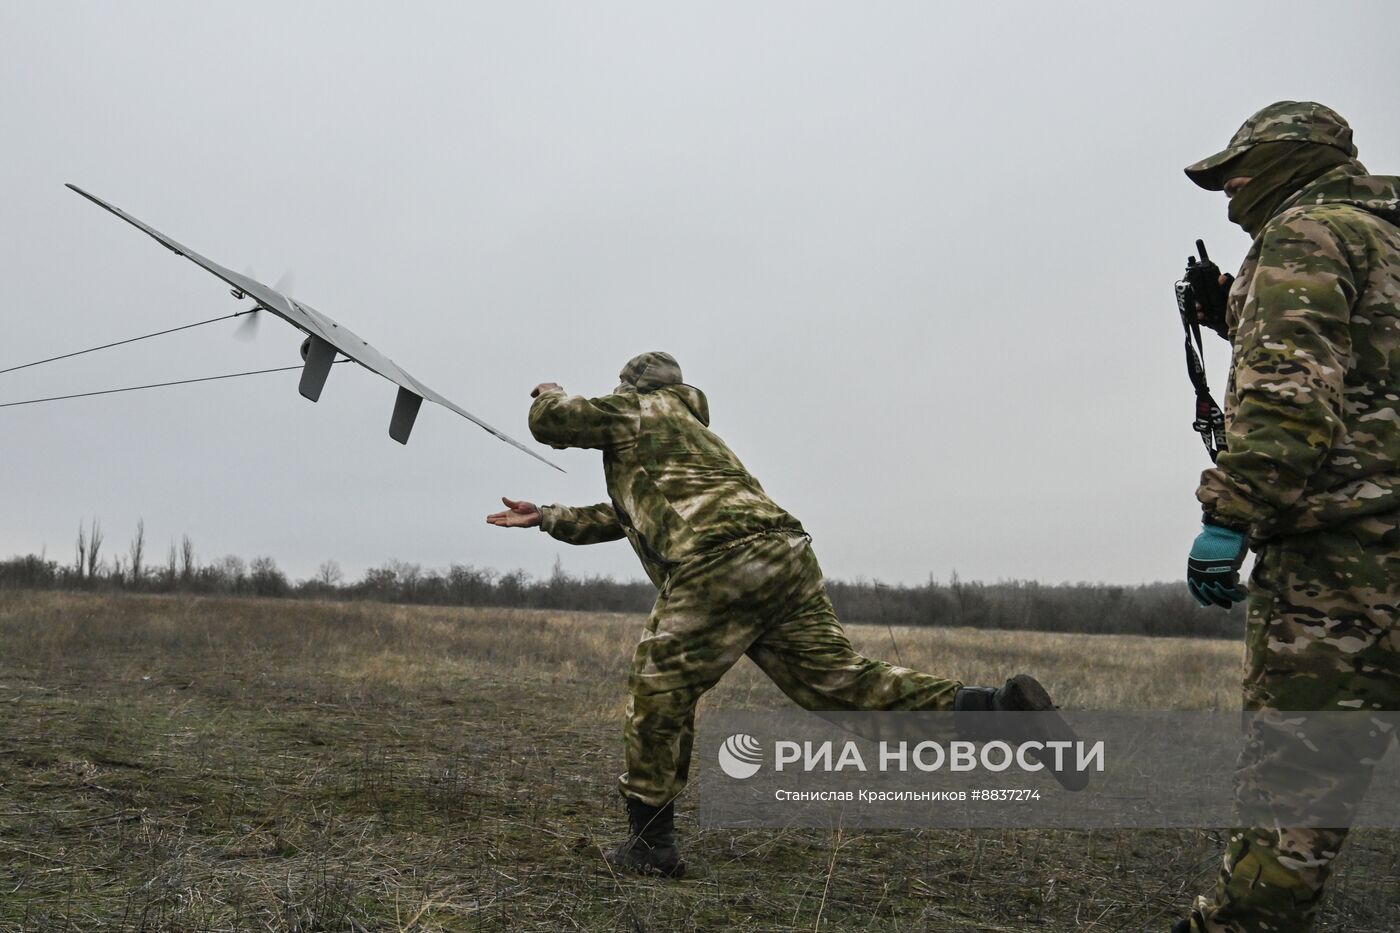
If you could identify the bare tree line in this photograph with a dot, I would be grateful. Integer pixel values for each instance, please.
(1144, 609)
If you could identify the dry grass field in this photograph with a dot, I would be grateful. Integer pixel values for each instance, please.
(177, 763)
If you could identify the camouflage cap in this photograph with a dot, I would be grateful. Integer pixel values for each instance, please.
(1302, 121)
(648, 371)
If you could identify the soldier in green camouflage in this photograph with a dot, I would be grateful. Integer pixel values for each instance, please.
(1311, 474)
(736, 576)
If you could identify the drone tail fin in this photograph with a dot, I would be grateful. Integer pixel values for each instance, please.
(319, 355)
(405, 413)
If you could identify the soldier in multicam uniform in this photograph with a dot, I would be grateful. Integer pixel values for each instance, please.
(1311, 474)
(736, 575)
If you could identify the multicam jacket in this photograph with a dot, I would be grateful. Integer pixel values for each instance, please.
(1313, 406)
(677, 490)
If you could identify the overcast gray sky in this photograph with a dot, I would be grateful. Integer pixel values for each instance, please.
(919, 256)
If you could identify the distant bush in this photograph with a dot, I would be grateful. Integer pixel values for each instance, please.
(31, 572)
(1092, 608)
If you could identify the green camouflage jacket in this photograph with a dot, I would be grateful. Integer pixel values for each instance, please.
(677, 490)
(1313, 405)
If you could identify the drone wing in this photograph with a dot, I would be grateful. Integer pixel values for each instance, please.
(326, 339)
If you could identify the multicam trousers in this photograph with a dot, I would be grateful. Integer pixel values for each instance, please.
(762, 597)
(1323, 633)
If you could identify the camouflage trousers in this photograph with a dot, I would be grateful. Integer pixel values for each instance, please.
(1323, 633)
(763, 598)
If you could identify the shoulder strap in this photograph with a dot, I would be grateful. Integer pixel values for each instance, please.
(1210, 420)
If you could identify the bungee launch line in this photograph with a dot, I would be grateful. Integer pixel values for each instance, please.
(118, 343)
(154, 385)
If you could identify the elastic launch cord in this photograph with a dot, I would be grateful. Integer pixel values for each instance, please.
(155, 385)
(119, 343)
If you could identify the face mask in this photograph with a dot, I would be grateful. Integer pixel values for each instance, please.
(1276, 171)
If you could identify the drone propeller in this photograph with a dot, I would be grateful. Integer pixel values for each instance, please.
(249, 328)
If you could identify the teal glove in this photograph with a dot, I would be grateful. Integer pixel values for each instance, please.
(1213, 568)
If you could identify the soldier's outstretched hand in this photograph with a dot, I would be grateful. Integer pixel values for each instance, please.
(518, 514)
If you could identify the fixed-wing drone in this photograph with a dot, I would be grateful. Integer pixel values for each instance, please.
(324, 340)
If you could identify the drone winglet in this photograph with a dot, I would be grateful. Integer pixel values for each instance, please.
(406, 407)
(320, 357)
(325, 338)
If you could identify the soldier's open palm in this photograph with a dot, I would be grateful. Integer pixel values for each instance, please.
(518, 514)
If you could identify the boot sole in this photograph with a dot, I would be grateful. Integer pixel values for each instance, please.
(1026, 694)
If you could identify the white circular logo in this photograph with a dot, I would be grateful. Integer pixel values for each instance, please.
(740, 756)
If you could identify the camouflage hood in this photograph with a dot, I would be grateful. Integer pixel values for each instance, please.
(694, 399)
(1376, 194)
(657, 371)
(649, 371)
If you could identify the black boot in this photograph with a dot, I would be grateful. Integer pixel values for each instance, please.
(1021, 694)
(1182, 926)
(651, 849)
